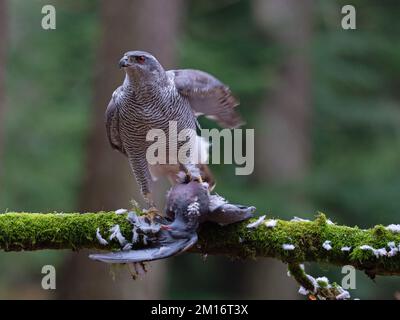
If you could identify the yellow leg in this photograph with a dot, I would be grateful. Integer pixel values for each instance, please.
(193, 173)
(152, 210)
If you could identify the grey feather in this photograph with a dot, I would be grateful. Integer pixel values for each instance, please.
(149, 254)
(112, 125)
(208, 96)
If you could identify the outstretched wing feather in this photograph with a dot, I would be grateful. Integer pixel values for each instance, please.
(207, 96)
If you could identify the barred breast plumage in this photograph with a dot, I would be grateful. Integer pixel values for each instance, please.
(150, 98)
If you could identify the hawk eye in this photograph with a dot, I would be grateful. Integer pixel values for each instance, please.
(140, 59)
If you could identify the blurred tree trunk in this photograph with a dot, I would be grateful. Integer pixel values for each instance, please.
(153, 26)
(283, 151)
(3, 51)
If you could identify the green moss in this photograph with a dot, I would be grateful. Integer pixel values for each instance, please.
(322, 284)
(307, 237)
(379, 231)
(30, 231)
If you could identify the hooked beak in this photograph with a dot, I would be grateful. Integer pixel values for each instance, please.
(123, 62)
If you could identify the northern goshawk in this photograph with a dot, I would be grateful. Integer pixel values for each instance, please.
(150, 98)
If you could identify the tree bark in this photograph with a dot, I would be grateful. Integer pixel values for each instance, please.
(3, 52)
(109, 184)
(283, 152)
(286, 117)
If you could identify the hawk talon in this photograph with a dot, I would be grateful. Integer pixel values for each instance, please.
(199, 179)
(194, 178)
(152, 213)
(192, 173)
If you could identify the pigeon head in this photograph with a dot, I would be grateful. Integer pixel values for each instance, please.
(141, 65)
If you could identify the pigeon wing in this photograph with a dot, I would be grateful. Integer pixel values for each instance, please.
(164, 251)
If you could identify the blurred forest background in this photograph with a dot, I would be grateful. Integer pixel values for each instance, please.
(324, 103)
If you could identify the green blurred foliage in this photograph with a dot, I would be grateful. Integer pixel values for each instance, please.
(354, 176)
(49, 86)
(49, 83)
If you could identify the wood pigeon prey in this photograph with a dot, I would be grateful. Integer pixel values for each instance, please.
(188, 205)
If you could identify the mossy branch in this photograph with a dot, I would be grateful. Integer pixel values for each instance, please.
(319, 288)
(35, 231)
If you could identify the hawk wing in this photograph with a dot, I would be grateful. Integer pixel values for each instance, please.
(112, 124)
(208, 96)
